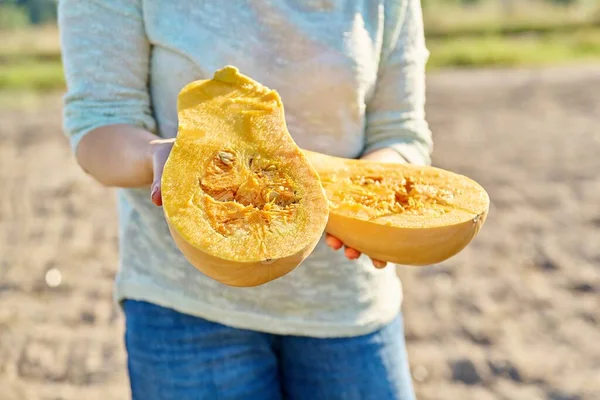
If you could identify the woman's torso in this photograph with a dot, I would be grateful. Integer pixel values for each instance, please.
(322, 57)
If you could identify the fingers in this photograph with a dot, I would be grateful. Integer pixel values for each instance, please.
(160, 156)
(333, 242)
(353, 254)
(349, 252)
(336, 244)
(156, 195)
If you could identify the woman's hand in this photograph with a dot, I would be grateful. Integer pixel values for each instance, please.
(349, 252)
(382, 155)
(160, 150)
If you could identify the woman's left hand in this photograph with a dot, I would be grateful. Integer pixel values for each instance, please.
(381, 155)
(349, 252)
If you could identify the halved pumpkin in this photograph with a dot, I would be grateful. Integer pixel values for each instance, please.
(241, 200)
(245, 205)
(404, 214)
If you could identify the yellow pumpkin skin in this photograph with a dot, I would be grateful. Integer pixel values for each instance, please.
(238, 273)
(371, 210)
(242, 202)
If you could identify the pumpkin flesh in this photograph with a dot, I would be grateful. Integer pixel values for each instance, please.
(241, 199)
(400, 213)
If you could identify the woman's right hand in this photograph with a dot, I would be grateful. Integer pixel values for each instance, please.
(160, 150)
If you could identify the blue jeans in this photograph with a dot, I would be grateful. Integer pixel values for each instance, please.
(181, 357)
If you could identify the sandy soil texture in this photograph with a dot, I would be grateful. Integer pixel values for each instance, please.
(514, 316)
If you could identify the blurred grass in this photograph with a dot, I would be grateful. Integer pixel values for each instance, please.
(465, 37)
(529, 33)
(32, 76)
(444, 18)
(509, 51)
(30, 60)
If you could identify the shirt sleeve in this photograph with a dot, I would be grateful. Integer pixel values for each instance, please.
(105, 54)
(396, 110)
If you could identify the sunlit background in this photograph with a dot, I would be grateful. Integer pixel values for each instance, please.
(513, 101)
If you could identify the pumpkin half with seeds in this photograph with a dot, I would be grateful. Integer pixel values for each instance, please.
(241, 200)
(404, 214)
(245, 205)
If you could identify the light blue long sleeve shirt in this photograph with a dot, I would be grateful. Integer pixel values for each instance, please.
(351, 75)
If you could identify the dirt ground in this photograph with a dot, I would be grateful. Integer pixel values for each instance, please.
(514, 316)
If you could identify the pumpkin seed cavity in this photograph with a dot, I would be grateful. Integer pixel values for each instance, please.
(243, 190)
(382, 196)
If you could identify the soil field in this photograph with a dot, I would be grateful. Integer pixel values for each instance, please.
(515, 316)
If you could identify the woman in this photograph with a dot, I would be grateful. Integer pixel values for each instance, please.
(351, 76)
